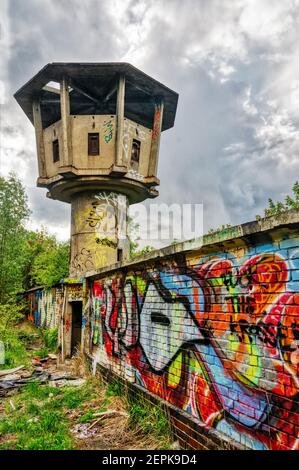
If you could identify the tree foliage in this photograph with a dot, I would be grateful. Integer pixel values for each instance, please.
(290, 202)
(47, 259)
(14, 212)
(27, 258)
(134, 239)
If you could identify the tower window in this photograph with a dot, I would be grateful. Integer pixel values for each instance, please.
(55, 150)
(135, 154)
(119, 255)
(93, 143)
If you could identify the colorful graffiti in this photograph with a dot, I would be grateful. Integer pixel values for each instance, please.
(108, 131)
(216, 336)
(157, 118)
(75, 292)
(44, 306)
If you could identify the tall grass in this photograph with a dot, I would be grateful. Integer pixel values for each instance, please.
(147, 417)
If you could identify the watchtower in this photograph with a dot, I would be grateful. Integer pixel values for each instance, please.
(98, 128)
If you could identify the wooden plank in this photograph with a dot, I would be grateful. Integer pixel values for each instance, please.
(156, 135)
(51, 89)
(10, 371)
(39, 137)
(65, 119)
(120, 114)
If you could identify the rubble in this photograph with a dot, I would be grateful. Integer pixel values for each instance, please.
(45, 372)
(10, 371)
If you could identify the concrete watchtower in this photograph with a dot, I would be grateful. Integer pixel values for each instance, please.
(98, 129)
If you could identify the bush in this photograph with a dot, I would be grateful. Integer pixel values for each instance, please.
(10, 316)
(50, 337)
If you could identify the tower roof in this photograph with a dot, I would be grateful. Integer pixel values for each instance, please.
(93, 91)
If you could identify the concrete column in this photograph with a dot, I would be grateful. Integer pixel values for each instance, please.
(98, 231)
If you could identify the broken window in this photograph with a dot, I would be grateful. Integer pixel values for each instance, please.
(55, 150)
(93, 144)
(135, 154)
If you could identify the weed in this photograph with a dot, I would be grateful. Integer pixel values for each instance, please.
(42, 353)
(50, 337)
(115, 388)
(150, 418)
(15, 336)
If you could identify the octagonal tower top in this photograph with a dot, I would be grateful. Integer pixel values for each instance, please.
(97, 126)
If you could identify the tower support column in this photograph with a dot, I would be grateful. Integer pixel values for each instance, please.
(98, 231)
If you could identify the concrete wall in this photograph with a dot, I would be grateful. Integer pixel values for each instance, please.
(43, 306)
(52, 308)
(213, 331)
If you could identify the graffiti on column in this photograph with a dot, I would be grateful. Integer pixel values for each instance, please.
(108, 218)
(83, 261)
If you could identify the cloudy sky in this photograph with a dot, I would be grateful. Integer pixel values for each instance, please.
(234, 63)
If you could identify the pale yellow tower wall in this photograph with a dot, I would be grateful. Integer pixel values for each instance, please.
(98, 231)
(105, 125)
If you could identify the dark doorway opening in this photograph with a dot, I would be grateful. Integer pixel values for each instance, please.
(76, 326)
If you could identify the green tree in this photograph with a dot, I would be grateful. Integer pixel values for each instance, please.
(134, 238)
(290, 202)
(14, 212)
(47, 259)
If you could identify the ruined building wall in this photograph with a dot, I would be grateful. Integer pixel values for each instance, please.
(52, 308)
(213, 331)
(43, 306)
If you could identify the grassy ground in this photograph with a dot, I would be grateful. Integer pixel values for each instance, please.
(36, 417)
(39, 417)
(22, 341)
(91, 416)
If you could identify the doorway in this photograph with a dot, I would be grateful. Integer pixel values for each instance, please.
(76, 326)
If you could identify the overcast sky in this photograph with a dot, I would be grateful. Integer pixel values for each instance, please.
(234, 63)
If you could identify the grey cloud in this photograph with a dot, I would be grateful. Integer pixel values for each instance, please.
(229, 148)
(47, 210)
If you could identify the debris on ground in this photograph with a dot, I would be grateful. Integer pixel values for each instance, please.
(40, 361)
(10, 371)
(66, 381)
(15, 383)
(45, 371)
(92, 416)
(82, 431)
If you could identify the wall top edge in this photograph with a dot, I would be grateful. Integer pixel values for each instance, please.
(288, 219)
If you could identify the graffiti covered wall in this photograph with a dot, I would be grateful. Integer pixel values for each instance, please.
(44, 306)
(214, 332)
(52, 308)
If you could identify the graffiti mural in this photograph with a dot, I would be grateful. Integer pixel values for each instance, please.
(44, 307)
(75, 292)
(217, 336)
